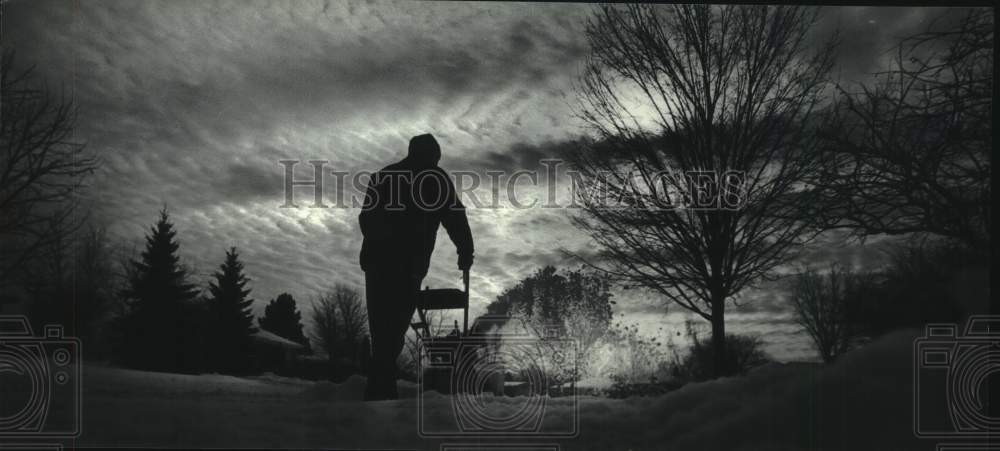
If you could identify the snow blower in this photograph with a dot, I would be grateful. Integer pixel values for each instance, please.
(442, 299)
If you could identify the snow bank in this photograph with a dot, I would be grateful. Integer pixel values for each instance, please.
(140, 384)
(351, 389)
(862, 402)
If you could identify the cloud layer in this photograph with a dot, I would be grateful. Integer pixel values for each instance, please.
(192, 104)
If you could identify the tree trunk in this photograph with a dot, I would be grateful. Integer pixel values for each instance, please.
(719, 335)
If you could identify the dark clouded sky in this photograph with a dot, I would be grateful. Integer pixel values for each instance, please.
(192, 104)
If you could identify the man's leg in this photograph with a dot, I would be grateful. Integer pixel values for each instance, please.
(390, 300)
(376, 301)
(404, 305)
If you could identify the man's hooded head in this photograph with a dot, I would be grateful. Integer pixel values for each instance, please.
(424, 151)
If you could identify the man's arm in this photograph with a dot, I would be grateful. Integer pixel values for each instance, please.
(456, 223)
(367, 217)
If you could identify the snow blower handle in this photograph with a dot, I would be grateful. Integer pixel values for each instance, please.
(465, 318)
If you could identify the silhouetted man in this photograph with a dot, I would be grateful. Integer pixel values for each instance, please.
(404, 205)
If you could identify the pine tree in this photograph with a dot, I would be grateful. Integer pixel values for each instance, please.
(282, 318)
(231, 320)
(160, 328)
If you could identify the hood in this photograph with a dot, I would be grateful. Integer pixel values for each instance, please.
(424, 151)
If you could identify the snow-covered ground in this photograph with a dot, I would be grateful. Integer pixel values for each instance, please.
(862, 402)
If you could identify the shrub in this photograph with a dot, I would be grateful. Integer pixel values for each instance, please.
(917, 287)
(743, 352)
(622, 388)
(822, 303)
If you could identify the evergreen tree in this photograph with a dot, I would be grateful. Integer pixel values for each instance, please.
(231, 320)
(282, 318)
(160, 329)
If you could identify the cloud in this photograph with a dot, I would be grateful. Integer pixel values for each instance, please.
(527, 156)
(241, 182)
(192, 104)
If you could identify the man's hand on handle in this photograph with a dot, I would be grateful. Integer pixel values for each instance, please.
(465, 262)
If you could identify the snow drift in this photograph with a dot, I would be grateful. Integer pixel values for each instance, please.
(864, 401)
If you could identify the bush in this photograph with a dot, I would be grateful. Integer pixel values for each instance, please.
(920, 285)
(621, 387)
(743, 352)
(822, 303)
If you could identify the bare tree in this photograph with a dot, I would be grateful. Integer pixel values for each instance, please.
(912, 154)
(325, 325)
(340, 323)
(71, 281)
(41, 167)
(75, 284)
(674, 93)
(353, 321)
(822, 304)
(95, 285)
